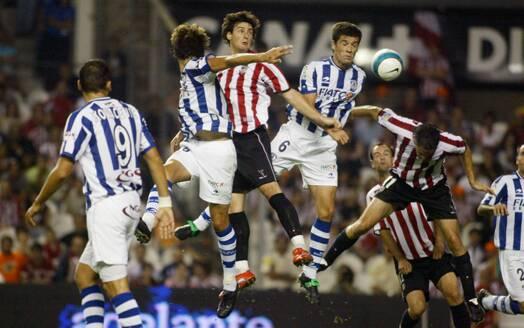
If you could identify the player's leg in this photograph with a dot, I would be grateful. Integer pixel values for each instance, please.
(512, 270)
(116, 286)
(462, 261)
(416, 307)
(374, 212)
(227, 247)
(216, 186)
(178, 168)
(439, 207)
(288, 217)
(448, 285)
(91, 295)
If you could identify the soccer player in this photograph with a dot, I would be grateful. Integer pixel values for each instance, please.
(417, 250)
(207, 151)
(331, 86)
(418, 176)
(247, 90)
(107, 137)
(507, 208)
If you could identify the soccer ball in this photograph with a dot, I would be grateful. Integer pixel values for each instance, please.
(387, 64)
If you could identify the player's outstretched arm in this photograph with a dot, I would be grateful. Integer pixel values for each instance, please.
(467, 162)
(272, 56)
(61, 171)
(164, 216)
(304, 104)
(365, 111)
(404, 266)
(492, 210)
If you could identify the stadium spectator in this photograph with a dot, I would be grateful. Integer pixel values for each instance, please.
(12, 263)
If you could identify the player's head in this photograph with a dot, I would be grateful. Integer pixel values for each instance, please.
(426, 137)
(189, 40)
(345, 38)
(7, 244)
(520, 158)
(381, 157)
(94, 76)
(239, 30)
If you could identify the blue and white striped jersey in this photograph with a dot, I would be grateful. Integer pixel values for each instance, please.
(106, 137)
(509, 229)
(336, 90)
(202, 105)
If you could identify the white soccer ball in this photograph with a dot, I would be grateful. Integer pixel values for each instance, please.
(387, 64)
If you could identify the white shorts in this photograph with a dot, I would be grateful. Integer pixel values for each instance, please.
(214, 163)
(111, 223)
(315, 156)
(512, 269)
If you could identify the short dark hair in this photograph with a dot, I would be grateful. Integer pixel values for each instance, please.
(94, 75)
(427, 136)
(189, 40)
(345, 28)
(228, 24)
(370, 153)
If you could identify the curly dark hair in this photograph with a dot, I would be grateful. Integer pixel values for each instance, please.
(239, 17)
(94, 75)
(189, 40)
(427, 136)
(345, 28)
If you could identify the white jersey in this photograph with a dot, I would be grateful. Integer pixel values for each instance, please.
(106, 137)
(508, 228)
(202, 105)
(335, 88)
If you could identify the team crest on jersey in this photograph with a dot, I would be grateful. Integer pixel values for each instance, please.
(242, 70)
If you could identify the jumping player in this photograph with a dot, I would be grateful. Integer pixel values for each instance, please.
(418, 176)
(417, 250)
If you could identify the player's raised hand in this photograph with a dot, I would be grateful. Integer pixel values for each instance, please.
(478, 186)
(166, 222)
(273, 55)
(175, 142)
(339, 135)
(500, 209)
(31, 212)
(329, 122)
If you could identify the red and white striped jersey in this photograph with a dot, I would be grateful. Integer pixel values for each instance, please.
(416, 172)
(409, 227)
(247, 91)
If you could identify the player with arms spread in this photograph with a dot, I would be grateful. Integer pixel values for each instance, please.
(418, 252)
(107, 137)
(418, 176)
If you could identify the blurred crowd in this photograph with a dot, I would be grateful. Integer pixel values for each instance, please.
(33, 113)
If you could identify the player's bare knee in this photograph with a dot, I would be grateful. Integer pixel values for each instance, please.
(326, 213)
(453, 296)
(417, 308)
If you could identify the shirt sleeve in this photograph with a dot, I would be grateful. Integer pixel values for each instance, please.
(396, 124)
(76, 136)
(308, 79)
(452, 144)
(146, 139)
(199, 69)
(500, 188)
(274, 79)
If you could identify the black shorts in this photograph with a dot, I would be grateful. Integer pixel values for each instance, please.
(254, 166)
(424, 270)
(437, 201)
